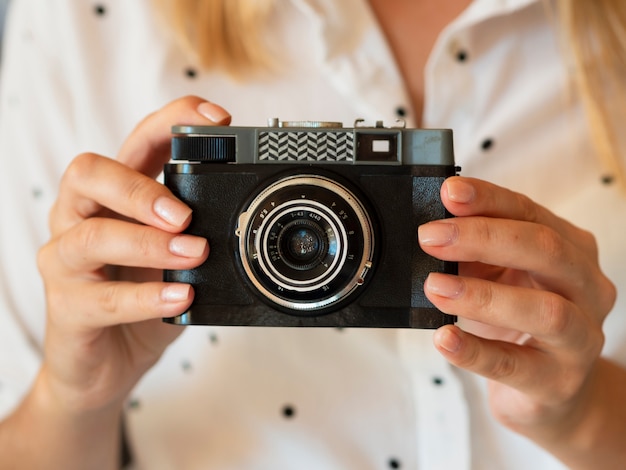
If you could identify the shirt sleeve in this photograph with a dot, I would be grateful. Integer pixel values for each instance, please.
(35, 130)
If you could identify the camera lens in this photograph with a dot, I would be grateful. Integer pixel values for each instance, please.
(302, 244)
(297, 245)
(305, 242)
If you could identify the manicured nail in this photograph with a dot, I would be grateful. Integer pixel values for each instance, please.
(188, 246)
(460, 191)
(174, 293)
(438, 233)
(444, 285)
(213, 112)
(448, 339)
(172, 211)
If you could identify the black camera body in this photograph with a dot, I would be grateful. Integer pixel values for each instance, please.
(310, 223)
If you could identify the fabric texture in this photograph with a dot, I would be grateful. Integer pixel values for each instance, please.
(79, 75)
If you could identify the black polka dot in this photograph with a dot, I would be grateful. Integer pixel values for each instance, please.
(289, 411)
(190, 72)
(487, 144)
(608, 179)
(100, 9)
(37, 193)
(134, 404)
(438, 381)
(394, 463)
(213, 338)
(462, 55)
(186, 365)
(401, 111)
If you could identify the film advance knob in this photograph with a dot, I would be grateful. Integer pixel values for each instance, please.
(204, 148)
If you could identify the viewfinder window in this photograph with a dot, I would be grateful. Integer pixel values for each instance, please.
(377, 146)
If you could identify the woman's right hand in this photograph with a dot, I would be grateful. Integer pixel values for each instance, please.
(113, 230)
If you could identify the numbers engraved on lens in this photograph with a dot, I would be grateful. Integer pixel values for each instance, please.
(305, 242)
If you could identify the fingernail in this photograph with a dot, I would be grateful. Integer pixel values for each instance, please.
(448, 339)
(173, 293)
(188, 246)
(444, 285)
(213, 112)
(460, 191)
(172, 211)
(437, 233)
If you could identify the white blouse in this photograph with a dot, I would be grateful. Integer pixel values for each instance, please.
(78, 75)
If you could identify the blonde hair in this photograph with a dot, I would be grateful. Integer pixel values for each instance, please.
(221, 34)
(595, 32)
(229, 35)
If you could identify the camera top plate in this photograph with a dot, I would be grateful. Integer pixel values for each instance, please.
(311, 142)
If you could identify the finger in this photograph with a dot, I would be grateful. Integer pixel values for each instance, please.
(98, 242)
(554, 321)
(522, 368)
(550, 378)
(551, 260)
(104, 304)
(93, 182)
(470, 197)
(148, 147)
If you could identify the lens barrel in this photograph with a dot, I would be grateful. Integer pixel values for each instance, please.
(306, 242)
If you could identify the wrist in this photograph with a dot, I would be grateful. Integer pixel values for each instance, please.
(589, 434)
(44, 432)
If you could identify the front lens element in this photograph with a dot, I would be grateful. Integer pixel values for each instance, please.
(302, 244)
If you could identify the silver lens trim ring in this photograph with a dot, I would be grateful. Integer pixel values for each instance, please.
(277, 277)
(365, 264)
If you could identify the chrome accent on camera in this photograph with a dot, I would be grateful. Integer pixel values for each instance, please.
(275, 122)
(266, 255)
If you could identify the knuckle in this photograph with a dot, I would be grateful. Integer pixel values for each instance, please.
(487, 235)
(79, 244)
(596, 342)
(550, 244)
(471, 359)
(136, 188)
(44, 259)
(527, 207)
(144, 244)
(588, 242)
(82, 166)
(503, 366)
(608, 295)
(555, 315)
(144, 300)
(87, 235)
(483, 296)
(108, 298)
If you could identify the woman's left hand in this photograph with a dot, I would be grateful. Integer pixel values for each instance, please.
(531, 299)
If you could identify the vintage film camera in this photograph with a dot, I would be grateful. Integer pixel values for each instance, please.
(310, 223)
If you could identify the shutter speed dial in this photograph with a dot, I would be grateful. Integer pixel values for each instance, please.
(205, 148)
